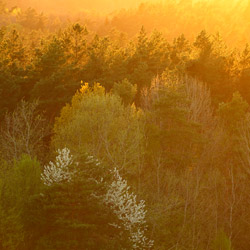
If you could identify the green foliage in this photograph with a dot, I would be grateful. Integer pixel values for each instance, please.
(54, 83)
(125, 90)
(100, 124)
(19, 183)
(72, 215)
(233, 112)
(168, 126)
(12, 70)
(222, 242)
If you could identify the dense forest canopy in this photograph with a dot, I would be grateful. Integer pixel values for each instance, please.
(124, 125)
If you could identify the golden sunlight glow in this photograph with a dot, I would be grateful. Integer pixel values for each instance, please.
(106, 5)
(229, 18)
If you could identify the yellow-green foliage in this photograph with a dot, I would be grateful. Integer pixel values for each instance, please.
(101, 125)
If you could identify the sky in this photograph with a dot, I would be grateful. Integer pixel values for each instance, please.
(100, 6)
(76, 5)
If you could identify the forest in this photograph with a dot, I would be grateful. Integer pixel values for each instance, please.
(127, 128)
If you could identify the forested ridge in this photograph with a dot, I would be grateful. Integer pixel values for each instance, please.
(127, 130)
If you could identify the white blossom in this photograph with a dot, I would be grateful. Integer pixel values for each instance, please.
(59, 171)
(129, 211)
(122, 202)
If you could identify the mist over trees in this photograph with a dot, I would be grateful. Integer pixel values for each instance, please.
(74, 6)
(127, 130)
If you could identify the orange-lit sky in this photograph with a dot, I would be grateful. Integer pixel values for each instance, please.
(94, 5)
(77, 5)
(100, 6)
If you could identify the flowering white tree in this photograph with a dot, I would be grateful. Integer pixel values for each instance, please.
(129, 211)
(123, 203)
(59, 171)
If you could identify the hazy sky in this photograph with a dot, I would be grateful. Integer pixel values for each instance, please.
(102, 6)
(76, 5)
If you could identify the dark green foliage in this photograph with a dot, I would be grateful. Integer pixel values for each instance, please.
(168, 125)
(54, 84)
(72, 215)
(12, 70)
(125, 90)
(234, 112)
(18, 182)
